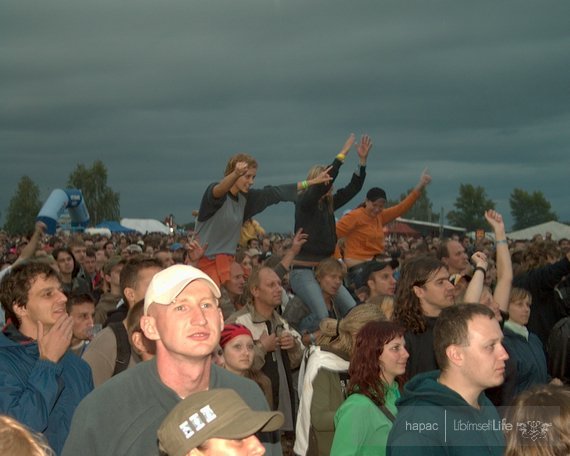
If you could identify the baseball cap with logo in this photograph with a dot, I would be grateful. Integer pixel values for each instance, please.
(217, 413)
(167, 284)
(373, 266)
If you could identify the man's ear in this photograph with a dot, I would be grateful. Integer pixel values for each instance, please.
(148, 327)
(455, 354)
(221, 315)
(254, 291)
(129, 294)
(136, 342)
(19, 310)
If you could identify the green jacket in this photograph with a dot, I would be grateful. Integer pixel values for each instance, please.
(435, 420)
(361, 427)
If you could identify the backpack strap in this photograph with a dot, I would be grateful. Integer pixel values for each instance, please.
(123, 346)
(387, 412)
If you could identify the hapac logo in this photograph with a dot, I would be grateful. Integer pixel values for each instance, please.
(534, 430)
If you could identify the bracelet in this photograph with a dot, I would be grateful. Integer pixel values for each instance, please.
(479, 268)
(304, 185)
(341, 156)
(501, 241)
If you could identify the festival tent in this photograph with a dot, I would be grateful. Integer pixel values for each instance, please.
(557, 229)
(401, 228)
(145, 225)
(114, 227)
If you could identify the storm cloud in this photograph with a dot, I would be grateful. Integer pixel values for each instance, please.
(164, 92)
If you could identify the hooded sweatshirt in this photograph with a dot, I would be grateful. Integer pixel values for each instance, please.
(39, 393)
(435, 420)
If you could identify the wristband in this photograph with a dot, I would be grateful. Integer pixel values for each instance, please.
(304, 185)
(341, 157)
(501, 241)
(479, 268)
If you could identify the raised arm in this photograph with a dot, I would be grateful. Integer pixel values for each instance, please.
(323, 178)
(314, 193)
(424, 181)
(298, 240)
(363, 149)
(344, 195)
(224, 186)
(29, 250)
(195, 251)
(504, 265)
(475, 287)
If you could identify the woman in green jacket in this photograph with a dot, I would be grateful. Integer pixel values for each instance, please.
(364, 420)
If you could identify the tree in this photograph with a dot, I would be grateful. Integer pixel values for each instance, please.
(529, 209)
(101, 201)
(24, 208)
(470, 207)
(421, 210)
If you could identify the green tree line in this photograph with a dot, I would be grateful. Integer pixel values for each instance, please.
(527, 209)
(101, 201)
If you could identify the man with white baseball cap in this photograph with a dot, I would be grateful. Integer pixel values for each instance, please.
(182, 316)
(215, 422)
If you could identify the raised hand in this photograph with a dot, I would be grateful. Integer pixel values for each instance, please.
(241, 168)
(196, 250)
(53, 344)
(348, 144)
(425, 178)
(322, 178)
(298, 240)
(40, 227)
(363, 148)
(495, 220)
(479, 259)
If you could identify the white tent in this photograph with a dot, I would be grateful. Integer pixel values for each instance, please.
(558, 231)
(145, 225)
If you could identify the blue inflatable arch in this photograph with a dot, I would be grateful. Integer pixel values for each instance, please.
(60, 200)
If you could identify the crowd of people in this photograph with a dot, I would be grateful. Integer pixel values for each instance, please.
(337, 339)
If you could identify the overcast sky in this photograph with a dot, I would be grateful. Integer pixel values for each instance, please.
(163, 92)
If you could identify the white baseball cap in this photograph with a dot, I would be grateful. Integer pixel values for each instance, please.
(166, 285)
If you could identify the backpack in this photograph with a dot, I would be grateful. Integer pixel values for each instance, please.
(123, 346)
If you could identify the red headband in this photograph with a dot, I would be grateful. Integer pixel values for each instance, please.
(231, 331)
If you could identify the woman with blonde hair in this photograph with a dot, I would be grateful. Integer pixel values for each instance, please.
(17, 440)
(385, 303)
(539, 422)
(314, 214)
(329, 275)
(324, 377)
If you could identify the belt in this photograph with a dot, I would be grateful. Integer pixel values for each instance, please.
(312, 268)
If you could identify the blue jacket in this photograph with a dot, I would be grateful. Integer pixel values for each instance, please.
(435, 420)
(528, 357)
(41, 394)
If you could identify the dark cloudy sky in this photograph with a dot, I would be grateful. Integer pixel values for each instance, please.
(163, 92)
